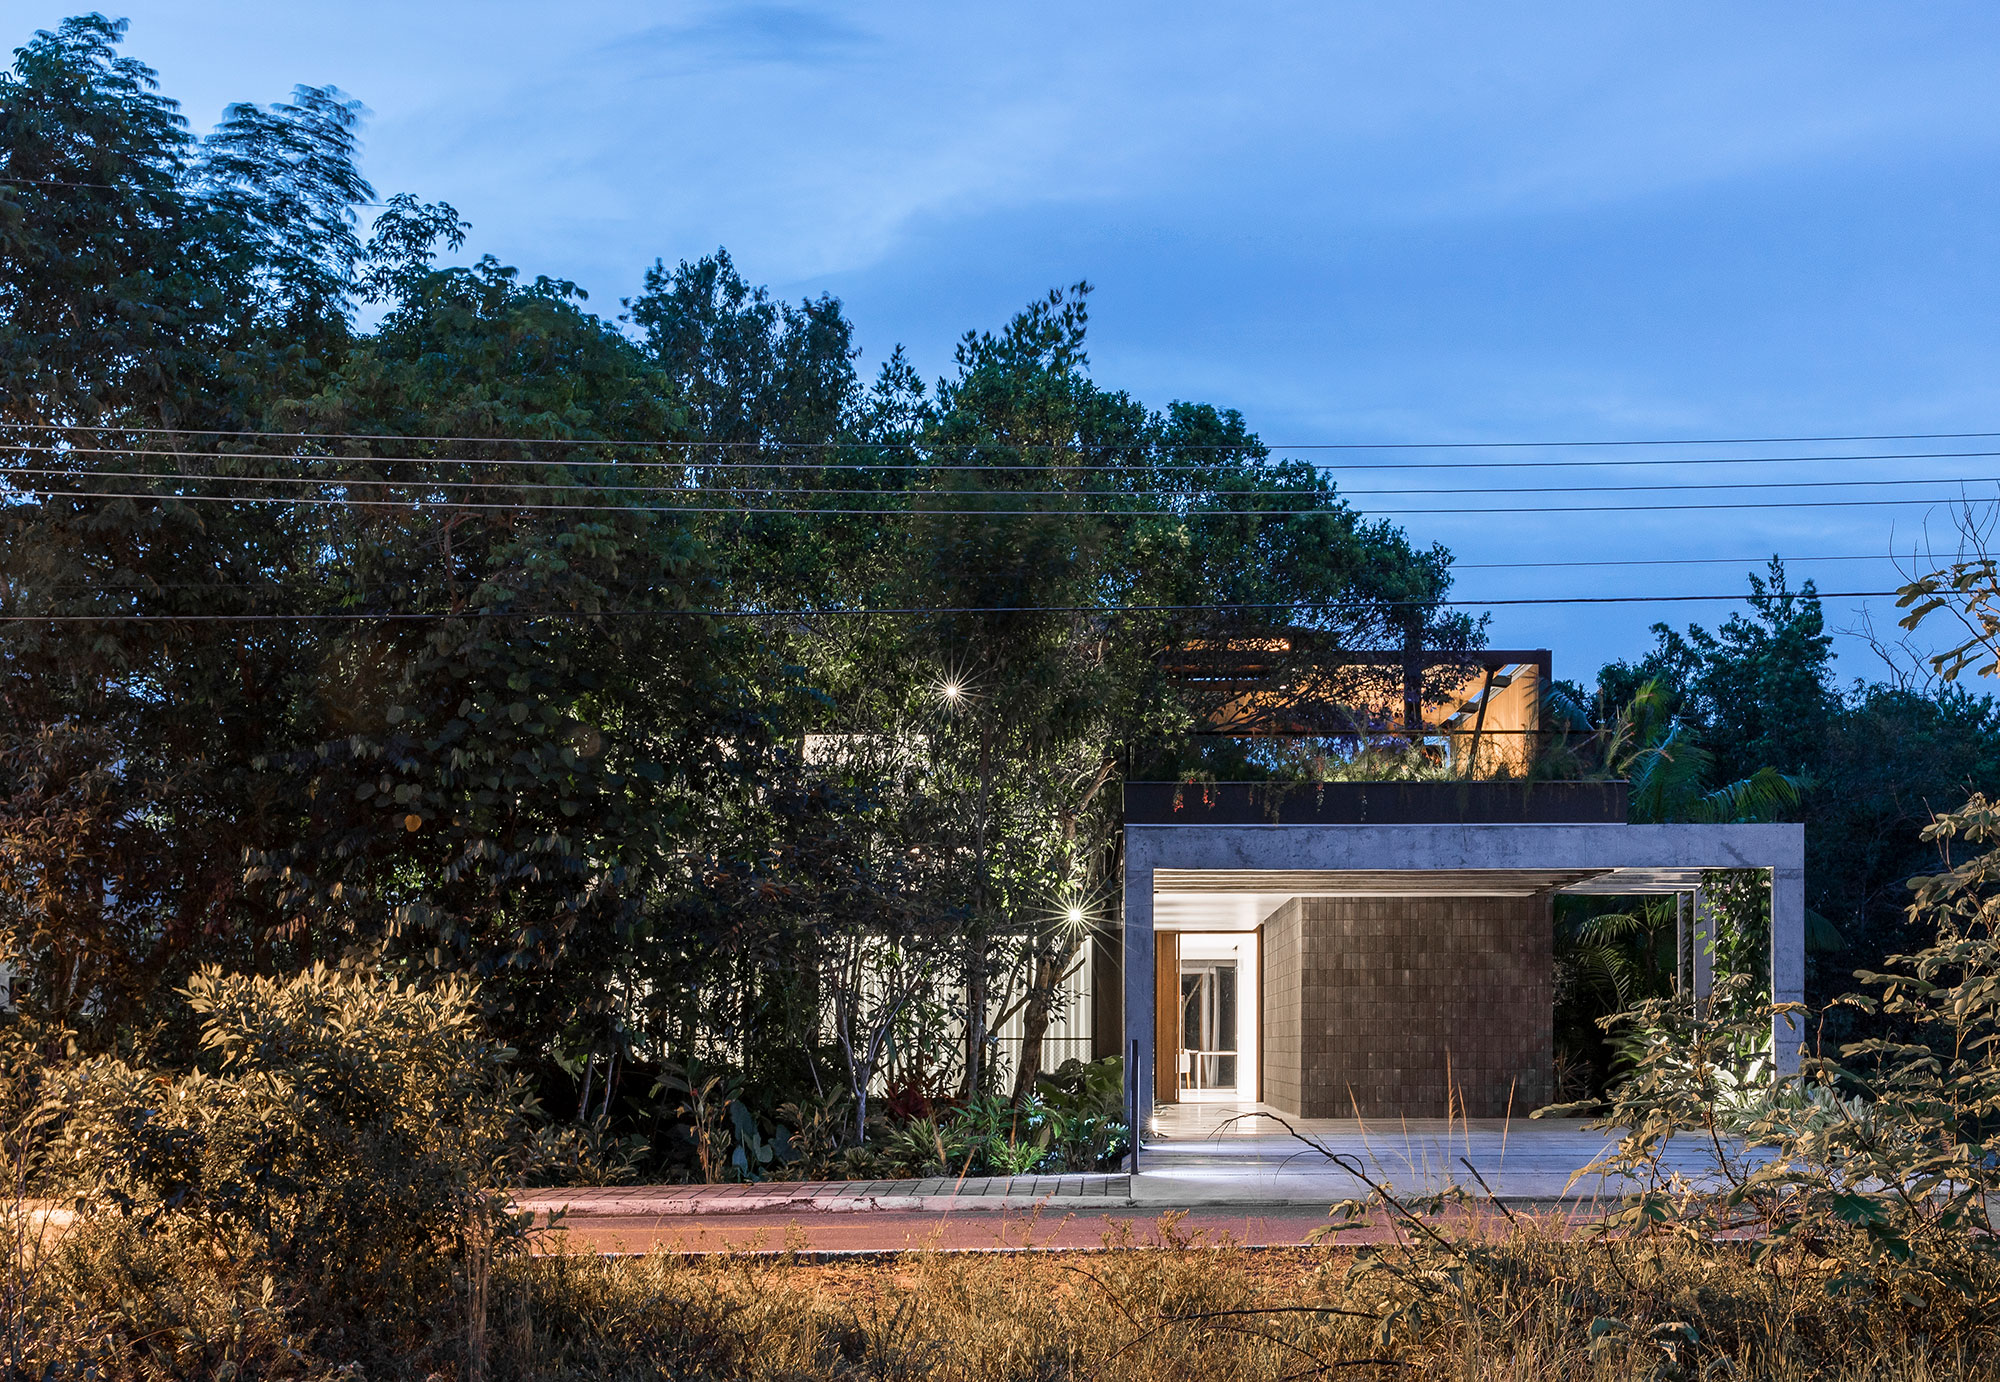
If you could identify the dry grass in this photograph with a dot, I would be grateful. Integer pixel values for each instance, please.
(1542, 1304)
(1540, 1301)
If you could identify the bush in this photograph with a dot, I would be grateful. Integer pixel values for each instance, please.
(341, 1163)
(1849, 1215)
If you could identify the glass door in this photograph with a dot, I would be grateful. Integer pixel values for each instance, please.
(1208, 1025)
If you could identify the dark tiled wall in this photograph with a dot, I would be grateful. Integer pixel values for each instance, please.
(1395, 996)
(1282, 1015)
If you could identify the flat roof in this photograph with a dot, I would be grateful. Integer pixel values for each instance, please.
(1241, 899)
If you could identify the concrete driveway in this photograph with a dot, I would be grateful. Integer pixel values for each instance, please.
(1244, 1154)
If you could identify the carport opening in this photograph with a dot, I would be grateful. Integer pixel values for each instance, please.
(1371, 994)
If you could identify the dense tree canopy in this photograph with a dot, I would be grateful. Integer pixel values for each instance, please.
(663, 669)
(645, 667)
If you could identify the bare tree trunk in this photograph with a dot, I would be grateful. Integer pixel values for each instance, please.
(589, 1074)
(1051, 972)
(976, 997)
(1034, 1030)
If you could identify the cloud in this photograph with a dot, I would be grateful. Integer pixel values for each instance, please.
(758, 33)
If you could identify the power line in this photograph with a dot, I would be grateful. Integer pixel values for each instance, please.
(689, 463)
(277, 586)
(1660, 561)
(1160, 513)
(824, 491)
(1306, 606)
(1245, 445)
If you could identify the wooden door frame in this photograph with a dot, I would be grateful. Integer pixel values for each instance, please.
(1167, 1017)
(1259, 1038)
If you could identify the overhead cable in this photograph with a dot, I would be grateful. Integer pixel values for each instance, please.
(689, 462)
(1247, 444)
(751, 511)
(914, 611)
(1082, 494)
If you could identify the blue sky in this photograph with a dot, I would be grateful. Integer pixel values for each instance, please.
(1457, 221)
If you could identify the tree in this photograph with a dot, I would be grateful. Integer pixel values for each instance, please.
(1758, 690)
(495, 638)
(102, 305)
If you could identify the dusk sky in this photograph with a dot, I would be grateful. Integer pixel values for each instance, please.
(1356, 223)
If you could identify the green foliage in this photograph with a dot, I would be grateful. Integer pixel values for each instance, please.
(1670, 770)
(1861, 1192)
(1086, 1103)
(731, 1142)
(585, 1153)
(1876, 1162)
(1073, 1121)
(1757, 691)
(538, 766)
(100, 283)
(1966, 590)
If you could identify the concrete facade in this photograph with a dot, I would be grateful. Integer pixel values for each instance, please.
(1405, 863)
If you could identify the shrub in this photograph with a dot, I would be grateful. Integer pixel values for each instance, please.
(1858, 1196)
(343, 1159)
(1074, 1121)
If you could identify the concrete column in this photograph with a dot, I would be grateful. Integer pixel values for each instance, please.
(1139, 990)
(1788, 960)
(1680, 944)
(1704, 948)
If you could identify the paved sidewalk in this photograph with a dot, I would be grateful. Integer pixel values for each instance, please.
(1247, 1154)
(1233, 1167)
(935, 1194)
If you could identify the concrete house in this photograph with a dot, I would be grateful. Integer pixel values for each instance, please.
(1385, 949)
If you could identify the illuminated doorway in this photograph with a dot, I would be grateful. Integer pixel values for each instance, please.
(1217, 1023)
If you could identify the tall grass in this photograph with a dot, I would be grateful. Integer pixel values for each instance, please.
(1538, 1302)
(1534, 1301)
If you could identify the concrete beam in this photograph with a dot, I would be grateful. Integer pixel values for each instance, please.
(1427, 847)
(1788, 959)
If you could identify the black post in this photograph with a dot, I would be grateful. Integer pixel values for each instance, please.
(1132, 1101)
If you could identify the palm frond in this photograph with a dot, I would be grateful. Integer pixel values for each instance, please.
(1612, 927)
(1561, 712)
(1607, 971)
(1667, 776)
(1758, 797)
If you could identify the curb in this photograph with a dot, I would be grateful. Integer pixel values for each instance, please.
(683, 1206)
(694, 1206)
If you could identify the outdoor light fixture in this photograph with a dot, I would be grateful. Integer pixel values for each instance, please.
(951, 688)
(1069, 911)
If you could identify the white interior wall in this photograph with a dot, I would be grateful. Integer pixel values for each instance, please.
(1240, 946)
